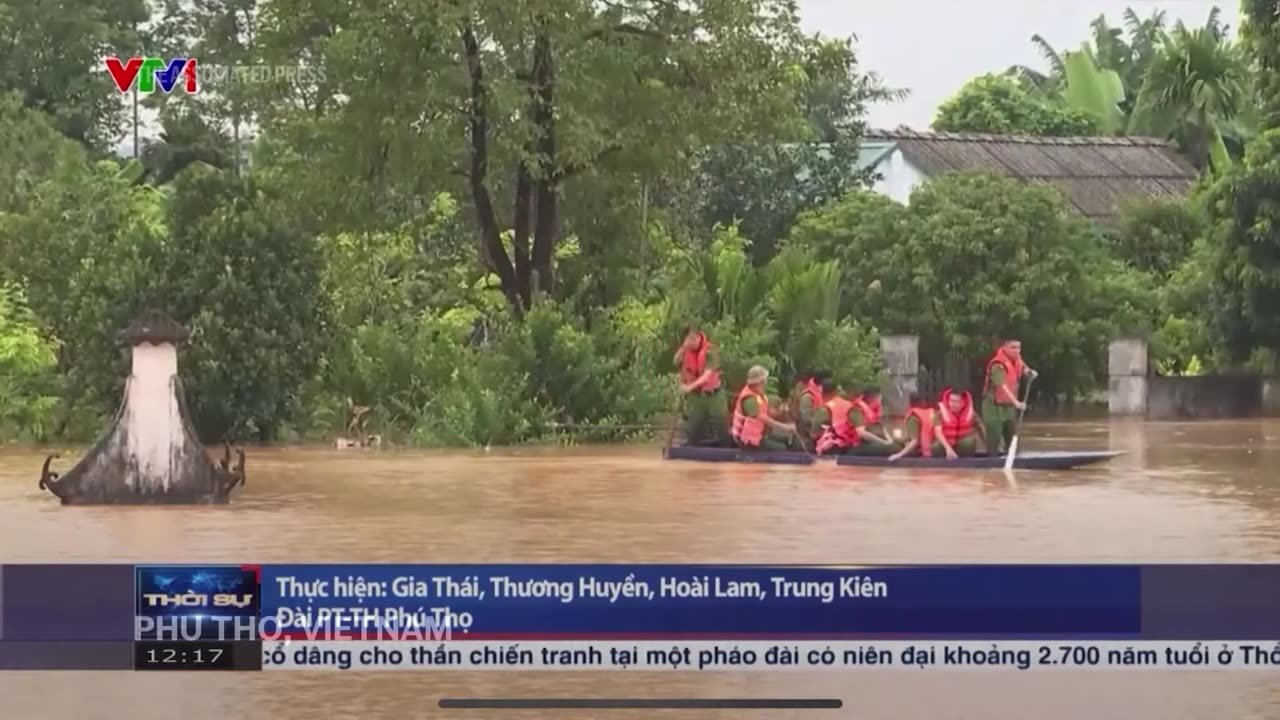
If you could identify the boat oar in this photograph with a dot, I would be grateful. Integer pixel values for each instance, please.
(675, 421)
(1017, 428)
(795, 432)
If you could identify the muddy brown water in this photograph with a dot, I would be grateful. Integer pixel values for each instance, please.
(1205, 492)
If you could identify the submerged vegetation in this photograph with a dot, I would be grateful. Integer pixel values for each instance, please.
(493, 228)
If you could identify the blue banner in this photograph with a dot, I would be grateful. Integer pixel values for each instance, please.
(699, 600)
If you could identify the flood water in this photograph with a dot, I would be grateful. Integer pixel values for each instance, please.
(1206, 492)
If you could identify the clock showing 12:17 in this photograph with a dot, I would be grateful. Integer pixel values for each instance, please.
(190, 655)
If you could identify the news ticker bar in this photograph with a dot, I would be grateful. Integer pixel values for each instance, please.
(673, 656)
(76, 603)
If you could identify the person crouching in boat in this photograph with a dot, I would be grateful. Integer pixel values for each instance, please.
(812, 395)
(854, 427)
(919, 429)
(838, 433)
(753, 427)
(705, 407)
(870, 437)
(1000, 401)
(958, 427)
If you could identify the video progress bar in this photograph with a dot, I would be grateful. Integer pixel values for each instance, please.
(638, 704)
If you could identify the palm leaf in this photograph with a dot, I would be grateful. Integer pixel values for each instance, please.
(1093, 90)
(1057, 68)
(1219, 158)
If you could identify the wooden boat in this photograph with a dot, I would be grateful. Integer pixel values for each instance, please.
(734, 455)
(1029, 460)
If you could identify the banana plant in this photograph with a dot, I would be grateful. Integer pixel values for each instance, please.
(1094, 90)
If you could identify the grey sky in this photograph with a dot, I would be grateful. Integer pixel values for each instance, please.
(932, 47)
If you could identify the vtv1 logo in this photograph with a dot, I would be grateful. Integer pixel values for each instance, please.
(150, 72)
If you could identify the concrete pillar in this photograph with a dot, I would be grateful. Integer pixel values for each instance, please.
(1271, 396)
(1127, 368)
(901, 356)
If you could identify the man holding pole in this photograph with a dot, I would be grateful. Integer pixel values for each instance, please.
(705, 405)
(1001, 401)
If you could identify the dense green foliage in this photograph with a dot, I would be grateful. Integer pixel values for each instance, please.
(999, 105)
(489, 222)
(1190, 85)
(972, 260)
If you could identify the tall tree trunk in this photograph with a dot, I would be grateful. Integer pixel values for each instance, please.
(491, 248)
(547, 183)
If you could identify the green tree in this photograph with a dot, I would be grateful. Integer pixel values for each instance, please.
(51, 54)
(1197, 82)
(249, 285)
(998, 105)
(1128, 52)
(630, 87)
(32, 153)
(28, 369)
(1157, 236)
(973, 259)
(85, 248)
(186, 137)
(1261, 33)
(1245, 222)
(764, 186)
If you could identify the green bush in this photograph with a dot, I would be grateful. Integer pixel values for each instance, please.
(29, 381)
(974, 259)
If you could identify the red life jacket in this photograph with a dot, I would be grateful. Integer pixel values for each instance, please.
(814, 391)
(925, 417)
(1013, 370)
(747, 430)
(694, 363)
(956, 426)
(870, 411)
(839, 433)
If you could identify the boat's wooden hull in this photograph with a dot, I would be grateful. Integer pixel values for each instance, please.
(734, 455)
(1030, 460)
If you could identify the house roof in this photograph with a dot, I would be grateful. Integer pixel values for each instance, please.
(1096, 174)
(871, 152)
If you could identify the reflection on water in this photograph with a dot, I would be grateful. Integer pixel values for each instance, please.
(1185, 492)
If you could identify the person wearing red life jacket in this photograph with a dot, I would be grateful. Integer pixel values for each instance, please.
(752, 427)
(1000, 398)
(870, 437)
(837, 434)
(810, 397)
(853, 426)
(706, 409)
(957, 427)
(920, 424)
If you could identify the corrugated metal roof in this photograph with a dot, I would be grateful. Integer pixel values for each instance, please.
(1097, 174)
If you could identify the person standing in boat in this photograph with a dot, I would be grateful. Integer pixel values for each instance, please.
(810, 398)
(919, 427)
(958, 427)
(700, 383)
(753, 427)
(1000, 398)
